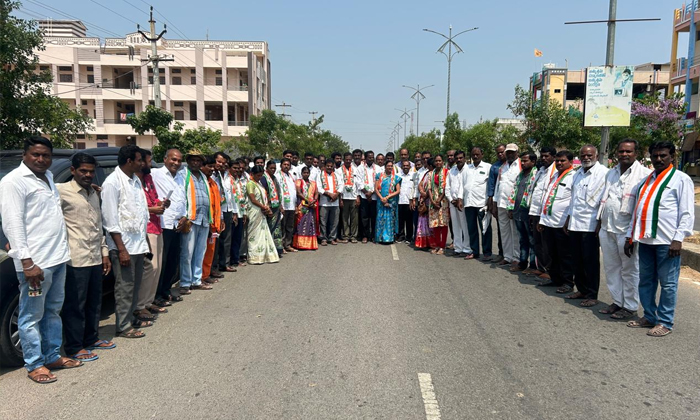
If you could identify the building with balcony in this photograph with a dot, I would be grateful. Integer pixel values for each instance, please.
(568, 87)
(212, 84)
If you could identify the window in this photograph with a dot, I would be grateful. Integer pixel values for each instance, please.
(219, 81)
(80, 136)
(102, 137)
(43, 68)
(80, 145)
(102, 144)
(177, 71)
(91, 78)
(178, 103)
(694, 89)
(150, 70)
(180, 115)
(193, 71)
(557, 90)
(177, 80)
(162, 80)
(83, 102)
(218, 72)
(65, 78)
(119, 104)
(193, 80)
(90, 68)
(150, 80)
(65, 68)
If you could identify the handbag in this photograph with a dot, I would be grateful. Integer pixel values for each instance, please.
(422, 208)
(186, 227)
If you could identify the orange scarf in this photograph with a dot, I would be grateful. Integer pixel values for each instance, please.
(214, 206)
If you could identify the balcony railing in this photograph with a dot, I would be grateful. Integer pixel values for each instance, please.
(238, 88)
(238, 123)
(115, 121)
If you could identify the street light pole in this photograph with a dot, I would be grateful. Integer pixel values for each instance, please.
(405, 117)
(417, 96)
(449, 43)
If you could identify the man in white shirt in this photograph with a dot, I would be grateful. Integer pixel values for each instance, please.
(660, 225)
(455, 195)
(125, 216)
(615, 215)
(350, 209)
(229, 210)
(555, 205)
(168, 183)
(368, 199)
(329, 191)
(405, 196)
(33, 224)
(581, 222)
(542, 178)
(505, 183)
(403, 155)
(308, 162)
(289, 202)
(475, 180)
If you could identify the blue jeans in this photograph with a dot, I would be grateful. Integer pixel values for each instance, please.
(657, 268)
(193, 245)
(40, 326)
(527, 244)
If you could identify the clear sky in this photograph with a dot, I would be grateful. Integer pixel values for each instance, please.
(348, 60)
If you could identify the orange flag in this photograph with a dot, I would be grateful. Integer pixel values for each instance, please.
(538, 53)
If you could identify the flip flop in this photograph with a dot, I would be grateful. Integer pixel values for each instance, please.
(91, 356)
(42, 375)
(102, 345)
(64, 363)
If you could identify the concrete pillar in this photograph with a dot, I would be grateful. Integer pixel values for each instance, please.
(199, 63)
(224, 94)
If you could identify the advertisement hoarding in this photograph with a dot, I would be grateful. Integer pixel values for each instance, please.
(608, 96)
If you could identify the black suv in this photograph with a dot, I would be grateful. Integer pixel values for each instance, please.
(10, 348)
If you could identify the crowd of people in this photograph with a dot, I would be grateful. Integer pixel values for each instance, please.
(155, 227)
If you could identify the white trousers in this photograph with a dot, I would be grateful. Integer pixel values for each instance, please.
(621, 273)
(510, 239)
(459, 229)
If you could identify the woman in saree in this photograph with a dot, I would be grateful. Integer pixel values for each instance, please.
(423, 231)
(388, 187)
(439, 209)
(261, 247)
(306, 232)
(274, 192)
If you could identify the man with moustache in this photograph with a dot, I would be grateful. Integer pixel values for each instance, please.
(490, 191)
(587, 188)
(368, 206)
(476, 179)
(542, 178)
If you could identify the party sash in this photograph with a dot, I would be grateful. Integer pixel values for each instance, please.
(649, 226)
(272, 192)
(191, 196)
(549, 204)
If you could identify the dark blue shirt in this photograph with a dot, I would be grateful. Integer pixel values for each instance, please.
(493, 177)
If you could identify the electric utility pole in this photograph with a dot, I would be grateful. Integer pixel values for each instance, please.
(609, 59)
(417, 96)
(284, 107)
(313, 115)
(154, 59)
(449, 43)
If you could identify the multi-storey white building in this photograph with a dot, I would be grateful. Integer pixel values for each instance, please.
(213, 84)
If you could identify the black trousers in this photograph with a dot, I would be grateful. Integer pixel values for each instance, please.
(237, 242)
(288, 228)
(475, 217)
(415, 224)
(405, 223)
(559, 245)
(81, 307)
(368, 216)
(585, 250)
(170, 264)
(500, 244)
(223, 244)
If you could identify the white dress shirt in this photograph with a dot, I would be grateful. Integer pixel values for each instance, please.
(560, 207)
(456, 190)
(165, 182)
(416, 180)
(367, 175)
(286, 181)
(346, 184)
(313, 172)
(475, 180)
(586, 193)
(134, 242)
(676, 211)
(506, 183)
(406, 192)
(227, 184)
(619, 189)
(542, 179)
(32, 219)
(333, 187)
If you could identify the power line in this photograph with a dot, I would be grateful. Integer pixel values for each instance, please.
(118, 14)
(132, 5)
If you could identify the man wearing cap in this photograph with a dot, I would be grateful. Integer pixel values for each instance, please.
(193, 242)
(507, 174)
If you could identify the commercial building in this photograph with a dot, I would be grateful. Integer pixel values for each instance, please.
(212, 84)
(568, 87)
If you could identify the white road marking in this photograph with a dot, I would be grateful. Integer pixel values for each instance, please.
(432, 410)
(394, 252)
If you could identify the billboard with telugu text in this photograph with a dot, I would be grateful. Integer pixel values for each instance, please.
(608, 96)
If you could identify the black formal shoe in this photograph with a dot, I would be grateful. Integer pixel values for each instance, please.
(548, 283)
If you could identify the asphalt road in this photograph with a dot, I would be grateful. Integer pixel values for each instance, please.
(344, 333)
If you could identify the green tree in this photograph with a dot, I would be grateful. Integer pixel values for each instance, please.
(26, 104)
(484, 135)
(454, 136)
(426, 142)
